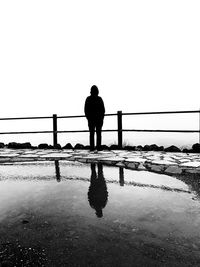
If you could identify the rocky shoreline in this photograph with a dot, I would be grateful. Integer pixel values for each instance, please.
(194, 149)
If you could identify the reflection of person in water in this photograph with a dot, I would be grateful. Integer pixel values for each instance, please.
(57, 169)
(97, 194)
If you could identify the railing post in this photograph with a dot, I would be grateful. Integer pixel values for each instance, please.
(119, 129)
(55, 140)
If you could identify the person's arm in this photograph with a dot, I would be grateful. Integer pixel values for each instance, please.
(102, 107)
(86, 108)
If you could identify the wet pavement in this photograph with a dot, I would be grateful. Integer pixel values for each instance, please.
(57, 210)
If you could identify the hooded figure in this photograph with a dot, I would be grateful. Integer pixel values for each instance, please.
(94, 112)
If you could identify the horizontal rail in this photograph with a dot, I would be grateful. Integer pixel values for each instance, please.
(25, 118)
(162, 131)
(72, 131)
(109, 130)
(110, 114)
(82, 116)
(69, 117)
(32, 132)
(161, 112)
(49, 117)
(85, 131)
(119, 129)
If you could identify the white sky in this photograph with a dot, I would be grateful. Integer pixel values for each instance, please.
(143, 55)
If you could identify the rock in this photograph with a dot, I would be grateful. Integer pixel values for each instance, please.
(79, 146)
(139, 148)
(34, 147)
(12, 145)
(129, 148)
(186, 150)
(68, 146)
(120, 164)
(161, 148)
(15, 145)
(58, 146)
(132, 165)
(2, 145)
(146, 148)
(196, 148)
(104, 147)
(173, 169)
(158, 168)
(172, 149)
(43, 146)
(114, 147)
(148, 165)
(154, 147)
(25, 145)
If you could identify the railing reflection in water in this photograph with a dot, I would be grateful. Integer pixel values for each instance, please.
(98, 192)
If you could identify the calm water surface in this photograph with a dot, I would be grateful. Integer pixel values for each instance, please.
(72, 214)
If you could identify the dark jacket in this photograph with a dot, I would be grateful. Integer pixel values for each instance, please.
(94, 108)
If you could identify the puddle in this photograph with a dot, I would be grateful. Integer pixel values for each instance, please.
(78, 214)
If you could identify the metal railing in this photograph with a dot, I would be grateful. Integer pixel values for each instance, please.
(119, 129)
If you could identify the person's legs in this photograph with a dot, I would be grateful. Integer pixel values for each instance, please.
(98, 138)
(98, 131)
(91, 129)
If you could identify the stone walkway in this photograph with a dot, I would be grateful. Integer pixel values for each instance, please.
(161, 162)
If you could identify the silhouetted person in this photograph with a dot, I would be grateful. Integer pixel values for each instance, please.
(97, 193)
(94, 112)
